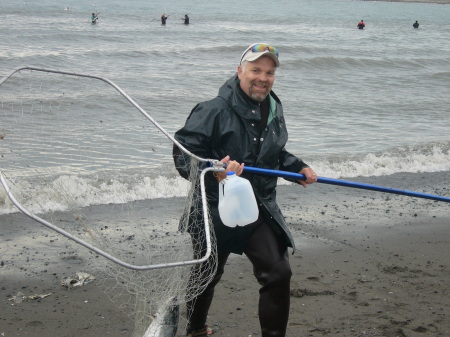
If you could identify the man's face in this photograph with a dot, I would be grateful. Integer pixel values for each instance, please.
(257, 77)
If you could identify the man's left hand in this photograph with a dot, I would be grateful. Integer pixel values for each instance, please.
(310, 175)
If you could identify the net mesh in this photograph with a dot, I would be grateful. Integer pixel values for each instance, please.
(75, 152)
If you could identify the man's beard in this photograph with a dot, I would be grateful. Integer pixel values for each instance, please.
(259, 96)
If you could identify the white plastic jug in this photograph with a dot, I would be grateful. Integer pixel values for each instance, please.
(237, 202)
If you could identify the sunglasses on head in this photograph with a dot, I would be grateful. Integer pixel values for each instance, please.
(261, 47)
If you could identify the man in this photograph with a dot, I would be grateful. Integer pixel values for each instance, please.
(361, 24)
(94, 18)
(416, 24)
(186, 19)
(164, 18)
(244, 125)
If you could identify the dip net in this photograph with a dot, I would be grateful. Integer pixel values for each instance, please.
(79, 156)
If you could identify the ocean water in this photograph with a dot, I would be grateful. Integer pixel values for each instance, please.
(357, 103)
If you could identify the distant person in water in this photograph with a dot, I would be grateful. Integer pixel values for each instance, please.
(416, 24)
(164, 18)
(94, 18)
(186, 19)
(361, 24)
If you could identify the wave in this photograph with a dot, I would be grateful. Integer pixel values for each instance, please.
(87, 191)
(414, 159)
(347, 62)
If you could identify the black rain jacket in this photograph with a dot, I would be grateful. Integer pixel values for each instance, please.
(229, 125)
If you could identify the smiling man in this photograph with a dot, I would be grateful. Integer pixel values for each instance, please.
(244, 125)
(257, 72)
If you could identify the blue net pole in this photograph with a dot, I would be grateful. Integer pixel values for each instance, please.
(330, 181)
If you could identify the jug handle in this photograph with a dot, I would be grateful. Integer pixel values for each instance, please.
(221, 192)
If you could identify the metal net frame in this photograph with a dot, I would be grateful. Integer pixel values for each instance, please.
(79, 159)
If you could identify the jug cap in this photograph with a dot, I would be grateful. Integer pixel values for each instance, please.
(230, 173)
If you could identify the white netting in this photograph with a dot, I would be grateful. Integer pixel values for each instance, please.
(78, 154)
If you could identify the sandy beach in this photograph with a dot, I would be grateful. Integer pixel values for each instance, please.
(367, 264)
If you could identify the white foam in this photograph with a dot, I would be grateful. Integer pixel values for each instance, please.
(85, 191)
(411, 160)
(82, 192)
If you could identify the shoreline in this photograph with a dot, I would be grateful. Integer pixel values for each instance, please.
(367, 263)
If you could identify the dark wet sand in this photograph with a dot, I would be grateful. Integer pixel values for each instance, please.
(368, 264)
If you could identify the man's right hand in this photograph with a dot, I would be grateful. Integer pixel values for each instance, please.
(232, 165)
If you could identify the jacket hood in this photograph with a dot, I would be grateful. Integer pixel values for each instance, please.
(230, 92)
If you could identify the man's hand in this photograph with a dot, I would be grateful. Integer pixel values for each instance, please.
(232, 165)
(310, 175)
